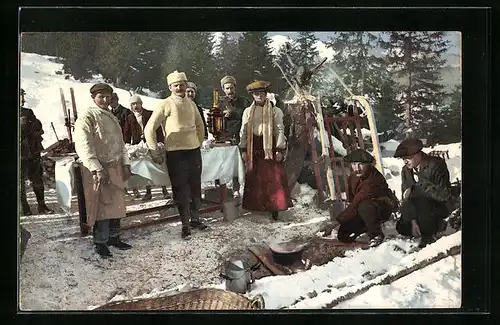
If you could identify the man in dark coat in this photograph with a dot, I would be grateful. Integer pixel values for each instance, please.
(119, 111)
(191, 93)
(370, 200)
(133, 133)
(232, 106)
(426, 188)
(31, 161)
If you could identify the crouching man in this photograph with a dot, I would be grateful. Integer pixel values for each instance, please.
(99, 145)
(426, 188)
(371, 202)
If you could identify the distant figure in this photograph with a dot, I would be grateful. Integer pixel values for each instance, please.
(31, 160)
(191, 93)
(119, 111)
(105, 168)
(262, 144)
(133, 133)
(184, 135)
(426, 188)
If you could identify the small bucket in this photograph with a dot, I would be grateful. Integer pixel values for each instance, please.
(231, 209)
(335, 208)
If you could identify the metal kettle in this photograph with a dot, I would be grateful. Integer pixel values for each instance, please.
(238, 275)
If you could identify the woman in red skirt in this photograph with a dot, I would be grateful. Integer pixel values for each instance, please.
(262, 144)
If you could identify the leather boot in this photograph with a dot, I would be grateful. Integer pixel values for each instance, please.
(165, 193)
(184, 214)
(25, 207)
(186, 233)
(40, 198)
(116, 242)
(148, 196)
(195, 215)
(103, 250)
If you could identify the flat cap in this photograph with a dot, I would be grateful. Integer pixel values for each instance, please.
(408, 147)
(101, 88)
(227, 80)
(359, 155)
(258, 86)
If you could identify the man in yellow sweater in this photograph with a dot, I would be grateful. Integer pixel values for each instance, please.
(184, 134)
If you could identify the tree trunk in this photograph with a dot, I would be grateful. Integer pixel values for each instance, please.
(298, 140)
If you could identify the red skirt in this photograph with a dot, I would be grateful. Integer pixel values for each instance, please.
(266, 185)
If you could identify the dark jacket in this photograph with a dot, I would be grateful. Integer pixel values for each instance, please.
(233, 121)
(31, 134)
(200, 109)
(373, 187)
(121, 114)
(433, 180)
(132, 131)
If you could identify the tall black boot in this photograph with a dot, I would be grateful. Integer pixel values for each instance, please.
(40, 198)
(148, 196)
(25, 207)
(196, 223)
(184, 214)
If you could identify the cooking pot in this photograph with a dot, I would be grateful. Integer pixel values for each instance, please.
(287, 253)
(238, 275)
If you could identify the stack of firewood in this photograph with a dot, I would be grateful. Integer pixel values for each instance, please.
(57, 149)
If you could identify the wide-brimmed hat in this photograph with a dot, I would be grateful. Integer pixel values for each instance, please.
(408, 147)
(176, 76)
(359, 156)
(101, 88)
(22, 92)
(257, 86)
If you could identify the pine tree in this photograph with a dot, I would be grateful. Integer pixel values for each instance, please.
(447, 121)
(80, 52)
(226, 52)
(304, 51)
(416, 57)
(254, 61)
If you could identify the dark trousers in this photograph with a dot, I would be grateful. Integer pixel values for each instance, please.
(427, 213)
(369, 219)
(106, 229)
(32, 169)
(184, 170)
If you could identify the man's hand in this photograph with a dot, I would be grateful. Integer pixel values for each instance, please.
(244, 156)
(157, 156)
(126, 172)
(415, 229)
(100, 177)
(406, 194)
(278, 156)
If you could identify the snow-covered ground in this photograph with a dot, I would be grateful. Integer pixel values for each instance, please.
(59, 270)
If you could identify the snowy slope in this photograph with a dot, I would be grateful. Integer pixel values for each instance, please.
(60, 272)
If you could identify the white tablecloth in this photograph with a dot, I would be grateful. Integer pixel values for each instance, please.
(219, 163)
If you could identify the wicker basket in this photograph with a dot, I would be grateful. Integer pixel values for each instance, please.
(200, 299)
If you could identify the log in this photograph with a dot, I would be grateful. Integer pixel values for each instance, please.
(388, 278)
(385, 278)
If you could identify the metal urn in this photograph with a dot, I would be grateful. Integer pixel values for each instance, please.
(238, 275)
(216, 120)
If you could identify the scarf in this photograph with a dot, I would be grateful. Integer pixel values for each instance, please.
(267, 131)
